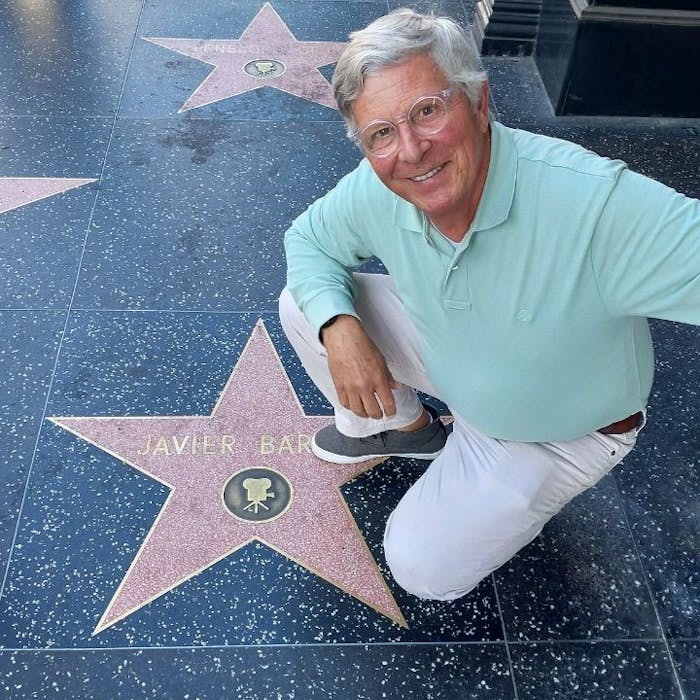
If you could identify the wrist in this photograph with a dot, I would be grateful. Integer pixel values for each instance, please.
(326, 325)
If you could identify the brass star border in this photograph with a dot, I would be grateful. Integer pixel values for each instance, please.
(228, 467)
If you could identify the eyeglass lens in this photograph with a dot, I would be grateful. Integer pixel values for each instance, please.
(426, 117)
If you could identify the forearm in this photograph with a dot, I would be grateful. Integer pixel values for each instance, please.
(321, 286)
(335, 235)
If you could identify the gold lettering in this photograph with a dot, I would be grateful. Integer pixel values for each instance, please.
(161, 447)
(208, 445)
(180, 446)
(202, 444)
(285, 445)
(267, 444)
(227, 444)
(147, 448)
(304, 443)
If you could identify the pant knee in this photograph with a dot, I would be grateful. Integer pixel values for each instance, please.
(294, 324)
(426, 571)
(447, 560)
(288, 310)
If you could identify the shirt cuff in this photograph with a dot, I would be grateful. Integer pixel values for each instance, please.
(324, 306)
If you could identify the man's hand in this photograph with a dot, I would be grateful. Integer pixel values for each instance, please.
(362, 379)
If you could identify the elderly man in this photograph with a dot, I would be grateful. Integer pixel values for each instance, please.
(522, 270)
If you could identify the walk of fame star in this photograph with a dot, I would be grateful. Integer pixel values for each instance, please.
(18, 191)
(266, 55)
(242, 474)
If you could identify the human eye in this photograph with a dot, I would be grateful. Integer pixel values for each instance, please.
(377, 135)
(426, 110)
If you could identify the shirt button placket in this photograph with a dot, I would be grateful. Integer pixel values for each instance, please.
(456, 287)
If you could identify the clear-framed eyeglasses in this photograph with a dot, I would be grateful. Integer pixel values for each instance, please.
(427, 116)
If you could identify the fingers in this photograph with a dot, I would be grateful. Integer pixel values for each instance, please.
(373, 409)
(361, 377)
(387, 401)
(369, 405)
(363, 405)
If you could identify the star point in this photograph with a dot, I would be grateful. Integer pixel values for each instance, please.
(244, 473)
(17, 191)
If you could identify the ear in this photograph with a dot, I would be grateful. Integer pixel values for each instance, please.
(482, 109)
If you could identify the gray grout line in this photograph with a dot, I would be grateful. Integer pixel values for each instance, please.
(30, 309)
(323, 645)
(505, 637)
(223, 312)
(225, 119)
(185, 116)
(592, 642)
(650, 592)
(259, 647)
(68, 116)
(238, 312)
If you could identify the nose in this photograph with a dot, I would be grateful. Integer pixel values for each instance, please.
(411, 145)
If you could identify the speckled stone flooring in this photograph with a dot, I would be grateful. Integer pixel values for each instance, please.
(134, 292)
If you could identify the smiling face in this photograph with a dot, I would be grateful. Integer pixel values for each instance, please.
(442, 174)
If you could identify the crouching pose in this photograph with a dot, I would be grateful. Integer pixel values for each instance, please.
(521, 273)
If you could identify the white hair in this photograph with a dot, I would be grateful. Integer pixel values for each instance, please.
(395, 37)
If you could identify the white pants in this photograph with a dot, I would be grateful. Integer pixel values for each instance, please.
(482, 499)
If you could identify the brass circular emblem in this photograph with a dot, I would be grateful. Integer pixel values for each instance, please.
(257, 494)
(265, 68)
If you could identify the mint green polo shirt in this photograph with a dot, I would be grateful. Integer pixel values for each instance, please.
(534, 328)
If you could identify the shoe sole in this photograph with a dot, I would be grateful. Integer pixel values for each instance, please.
(345, 459)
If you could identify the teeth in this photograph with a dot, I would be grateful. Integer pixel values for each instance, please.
(420, 178)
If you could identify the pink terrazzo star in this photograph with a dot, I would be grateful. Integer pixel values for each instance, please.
(18, 191)
(267, 54)
(254, 444)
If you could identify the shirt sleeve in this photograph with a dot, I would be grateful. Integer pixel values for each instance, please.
(324, 245)
(646, 251)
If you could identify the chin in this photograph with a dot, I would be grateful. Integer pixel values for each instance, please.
(435, 208)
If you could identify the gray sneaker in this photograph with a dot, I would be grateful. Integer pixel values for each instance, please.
(330, 445)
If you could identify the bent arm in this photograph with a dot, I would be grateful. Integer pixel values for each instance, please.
(323, 247)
